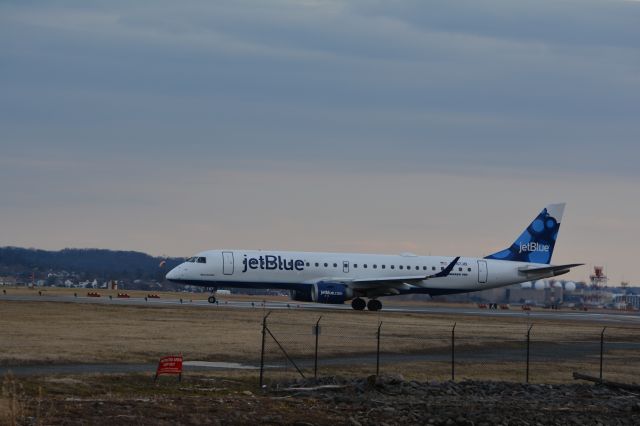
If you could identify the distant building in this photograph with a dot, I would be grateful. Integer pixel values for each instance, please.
(7, 280)
(627, 300)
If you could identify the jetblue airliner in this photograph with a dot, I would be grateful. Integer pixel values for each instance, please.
(337, 277)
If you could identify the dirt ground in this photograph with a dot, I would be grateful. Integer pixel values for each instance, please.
(221, 400)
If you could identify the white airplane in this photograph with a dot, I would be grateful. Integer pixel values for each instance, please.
(337, 277)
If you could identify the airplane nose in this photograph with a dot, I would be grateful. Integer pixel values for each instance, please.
(172, 274)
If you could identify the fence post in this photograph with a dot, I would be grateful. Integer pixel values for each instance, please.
(264, 335)
(601, 351)
(315, 360)
(453, 352)
(528, 348)
(378, 351)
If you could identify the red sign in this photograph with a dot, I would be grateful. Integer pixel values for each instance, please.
(170, 365)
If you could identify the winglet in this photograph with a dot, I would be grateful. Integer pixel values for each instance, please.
(446, 271)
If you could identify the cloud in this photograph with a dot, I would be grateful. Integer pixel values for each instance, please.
(113, 108)
(298, 80)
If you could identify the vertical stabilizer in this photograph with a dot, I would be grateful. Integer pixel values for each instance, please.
(536, 243)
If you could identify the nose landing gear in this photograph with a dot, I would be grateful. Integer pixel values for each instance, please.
(212, 297)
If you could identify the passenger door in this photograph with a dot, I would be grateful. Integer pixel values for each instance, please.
(483, 272)
(227, 262)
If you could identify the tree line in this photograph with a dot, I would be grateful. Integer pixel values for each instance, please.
(98, 263)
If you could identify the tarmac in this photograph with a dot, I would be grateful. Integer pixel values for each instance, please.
(607, 317)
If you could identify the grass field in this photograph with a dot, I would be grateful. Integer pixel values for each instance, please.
(54, 332)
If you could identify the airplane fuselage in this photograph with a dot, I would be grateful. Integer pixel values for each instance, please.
(290, 270)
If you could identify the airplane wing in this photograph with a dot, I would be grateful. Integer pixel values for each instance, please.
(401, 280)
(553, 270)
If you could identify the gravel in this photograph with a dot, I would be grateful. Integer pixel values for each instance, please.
(392, 400)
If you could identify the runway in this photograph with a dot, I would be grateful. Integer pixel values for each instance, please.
(609, 317)
(545, 352)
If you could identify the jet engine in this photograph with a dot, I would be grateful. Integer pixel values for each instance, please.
(331, 292)
(301, 295)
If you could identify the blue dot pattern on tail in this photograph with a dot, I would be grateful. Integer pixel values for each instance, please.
(536, 243)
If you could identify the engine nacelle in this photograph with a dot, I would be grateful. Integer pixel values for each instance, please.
(331, 292)
(300, 295)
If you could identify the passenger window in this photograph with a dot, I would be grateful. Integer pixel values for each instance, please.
(392, 267)
(417, 268)
(375, 266)
(400, 267)
(424, 268)
(317, 264)
(383, 266)
(364, 266)
(326, 265)
(355, 265)
(433, 268)
(460, 269)
(469, 269)
(335, 265)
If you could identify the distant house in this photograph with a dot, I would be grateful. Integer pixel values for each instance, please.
(7, 280)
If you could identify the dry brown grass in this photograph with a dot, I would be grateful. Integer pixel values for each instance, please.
(173, 295)
(37, 332)
(12, 409)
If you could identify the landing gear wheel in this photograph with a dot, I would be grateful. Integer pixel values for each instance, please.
(358, 304)
(211, 299)
(374, 305)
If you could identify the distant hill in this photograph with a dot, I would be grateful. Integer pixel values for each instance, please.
(96, 263)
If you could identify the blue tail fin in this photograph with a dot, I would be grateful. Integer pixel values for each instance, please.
(537, 241)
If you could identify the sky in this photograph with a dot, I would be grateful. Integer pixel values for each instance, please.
(433, 127)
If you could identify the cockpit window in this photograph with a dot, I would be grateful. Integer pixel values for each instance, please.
(191, 260)
(202, 260)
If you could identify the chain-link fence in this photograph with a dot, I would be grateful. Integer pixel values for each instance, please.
(441, 349)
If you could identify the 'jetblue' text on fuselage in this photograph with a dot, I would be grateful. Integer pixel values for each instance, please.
(272, 263)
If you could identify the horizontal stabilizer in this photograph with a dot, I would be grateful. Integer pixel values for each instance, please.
(546, 270)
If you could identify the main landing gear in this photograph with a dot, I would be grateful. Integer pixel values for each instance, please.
(359, 304)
